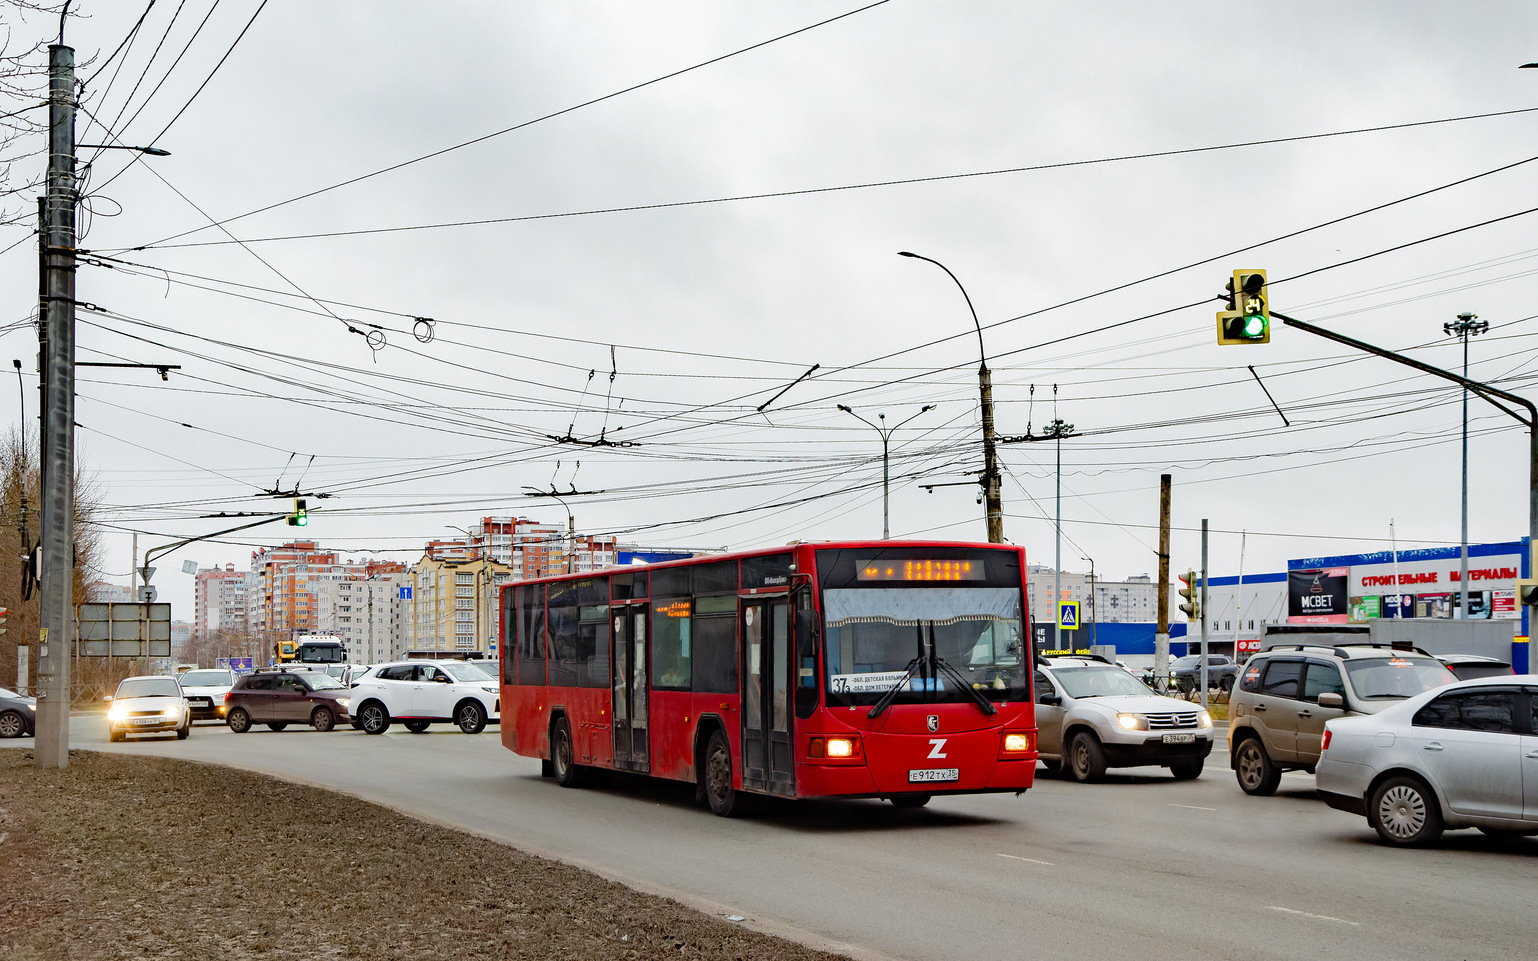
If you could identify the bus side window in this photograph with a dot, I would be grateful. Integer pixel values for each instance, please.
(531, 634)
(672, 661)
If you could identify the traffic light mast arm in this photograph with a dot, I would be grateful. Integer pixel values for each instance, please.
(166, 549)
(1492, 394)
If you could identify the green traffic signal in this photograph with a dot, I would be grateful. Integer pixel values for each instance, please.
(300, 517)
(1254, 326)
(1248, 319)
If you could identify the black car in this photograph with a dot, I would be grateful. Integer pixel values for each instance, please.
(1186, 673)
(18, 715)
(278, 698)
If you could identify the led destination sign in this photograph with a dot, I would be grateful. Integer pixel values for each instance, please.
(920, 569)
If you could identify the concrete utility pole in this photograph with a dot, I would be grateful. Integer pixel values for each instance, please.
(1466, 326)
(990, 481)
(1162, 638)
(1202, 612)
(57, 328)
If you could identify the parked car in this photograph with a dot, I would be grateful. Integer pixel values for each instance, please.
(1470, 666)
(278, 697)
(1277, 714)
(1454, 757)
(148, 704)
(18, 714)
(419, 692)
(1091, 715)
(205, 690)
(1186, 673)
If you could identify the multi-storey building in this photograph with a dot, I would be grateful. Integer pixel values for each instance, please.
(1133, 601)
(106, 592)
(454, 603)
(533, 549)
(219, 602)
(280, 599)
(366, 613)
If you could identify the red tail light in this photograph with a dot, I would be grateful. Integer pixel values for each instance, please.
(1326, 745)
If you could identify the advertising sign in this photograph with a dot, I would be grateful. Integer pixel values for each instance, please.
(1318, 596)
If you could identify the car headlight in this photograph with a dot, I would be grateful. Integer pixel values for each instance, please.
(1132, 722)
(489, 690)
(1204, 719)
(117, 713)
(344, 701)
(174, 711)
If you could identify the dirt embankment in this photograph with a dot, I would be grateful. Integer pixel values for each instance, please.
(122, 857)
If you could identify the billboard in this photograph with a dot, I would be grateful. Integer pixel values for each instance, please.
(1318, 596)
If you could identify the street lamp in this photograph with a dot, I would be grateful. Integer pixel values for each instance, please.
(886, 435)
(990, 478)
(1466, 326)
(152, 151)
(1094, 622)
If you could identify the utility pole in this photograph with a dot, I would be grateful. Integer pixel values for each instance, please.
(1054, 431)
(57, 323)
(1162, 638)
(1202, 611)
(990, 481)
(1466, 326)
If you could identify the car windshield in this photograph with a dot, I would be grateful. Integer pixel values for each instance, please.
(318, 681)
(321, 652)
(7, 692)
(1470, 670)
(149, 687)
(464, 673)
(207, 679)
(874, 633)
(1098, 680)
(1396, 677)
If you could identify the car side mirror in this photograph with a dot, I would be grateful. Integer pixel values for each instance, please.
(1331, 699)
(443, 679)
(1050, 699)
(106, 697)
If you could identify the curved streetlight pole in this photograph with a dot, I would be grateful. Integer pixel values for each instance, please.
(990, 479)
(886, 435)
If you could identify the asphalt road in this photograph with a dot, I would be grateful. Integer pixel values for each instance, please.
(1140, 866)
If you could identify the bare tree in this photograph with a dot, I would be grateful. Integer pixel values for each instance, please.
(27, 27)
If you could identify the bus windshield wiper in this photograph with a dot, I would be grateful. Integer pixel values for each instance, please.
(983, 704)
(937, 666)
(891, 694)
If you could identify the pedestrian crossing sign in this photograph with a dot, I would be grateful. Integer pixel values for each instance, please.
(1068, 615)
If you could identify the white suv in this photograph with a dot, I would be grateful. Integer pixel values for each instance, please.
(418, 693)
(1091, 714)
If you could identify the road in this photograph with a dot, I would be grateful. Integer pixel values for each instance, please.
(1138, 867)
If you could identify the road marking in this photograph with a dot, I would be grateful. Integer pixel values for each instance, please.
(1192, 807)
(1317, 917)
(1015, 857)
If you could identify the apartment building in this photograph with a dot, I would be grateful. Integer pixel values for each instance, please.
(454, 603)
(367, 614)
(218, 601)
(280, 595)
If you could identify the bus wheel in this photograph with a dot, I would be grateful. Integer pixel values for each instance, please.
(563, 755)
(724, 800)
(909, 801)
(416, 727)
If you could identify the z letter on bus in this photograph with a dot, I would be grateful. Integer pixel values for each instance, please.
(937, 751)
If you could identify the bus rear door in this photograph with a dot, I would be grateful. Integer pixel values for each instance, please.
(766, 747)
(629, 678)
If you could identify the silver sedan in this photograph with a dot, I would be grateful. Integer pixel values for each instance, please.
(1464, 755)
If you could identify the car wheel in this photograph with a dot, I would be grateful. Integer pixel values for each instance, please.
(323, 719)
(184, 730)
(1187, 769)
(1086, 758)
(563, 756)
(910, 801)
(12, 724)
(1258, 775)
(471, 717)
(416, 727)
(724, 800)
(1405, 812)
(373, 718)
(276, 725)
(238, 720)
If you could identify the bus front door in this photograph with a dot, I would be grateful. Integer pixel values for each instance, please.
(766, 747)
(629, 674)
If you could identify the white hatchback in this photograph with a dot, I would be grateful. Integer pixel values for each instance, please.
(419, 692)
(1463, 755)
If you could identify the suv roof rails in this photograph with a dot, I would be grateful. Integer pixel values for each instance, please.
(1341, 649)
(1041, 659)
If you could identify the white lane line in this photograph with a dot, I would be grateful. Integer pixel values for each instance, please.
(1015, 857)
(1192, 807)
(1317, 917)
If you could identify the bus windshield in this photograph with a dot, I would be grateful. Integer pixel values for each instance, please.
(873, 634)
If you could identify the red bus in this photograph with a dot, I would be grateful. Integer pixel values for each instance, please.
(888, 669)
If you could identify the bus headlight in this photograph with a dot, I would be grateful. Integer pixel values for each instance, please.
(833, 747)
(1015, 743)
(1132, 722)
(840, 747)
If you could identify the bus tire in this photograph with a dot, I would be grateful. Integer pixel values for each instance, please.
(909, 801)
(563, 755)
(416, 727)
(724, 800)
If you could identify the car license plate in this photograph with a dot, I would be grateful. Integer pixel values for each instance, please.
(1180, 739)
(198, 701)
(146, 720)
(920, 775)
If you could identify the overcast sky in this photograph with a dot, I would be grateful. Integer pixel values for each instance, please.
(702, 307)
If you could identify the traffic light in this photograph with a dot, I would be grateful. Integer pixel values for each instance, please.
(1527, 592)
(1248, 317)
(1192, 608)
(300, 517)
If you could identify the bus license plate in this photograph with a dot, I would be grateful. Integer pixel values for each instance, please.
(919, 775)
(1180, 739)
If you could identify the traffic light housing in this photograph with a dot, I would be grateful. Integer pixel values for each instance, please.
(1527, 592)
(1248, 317)
(1192, 608)
(300, 517)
